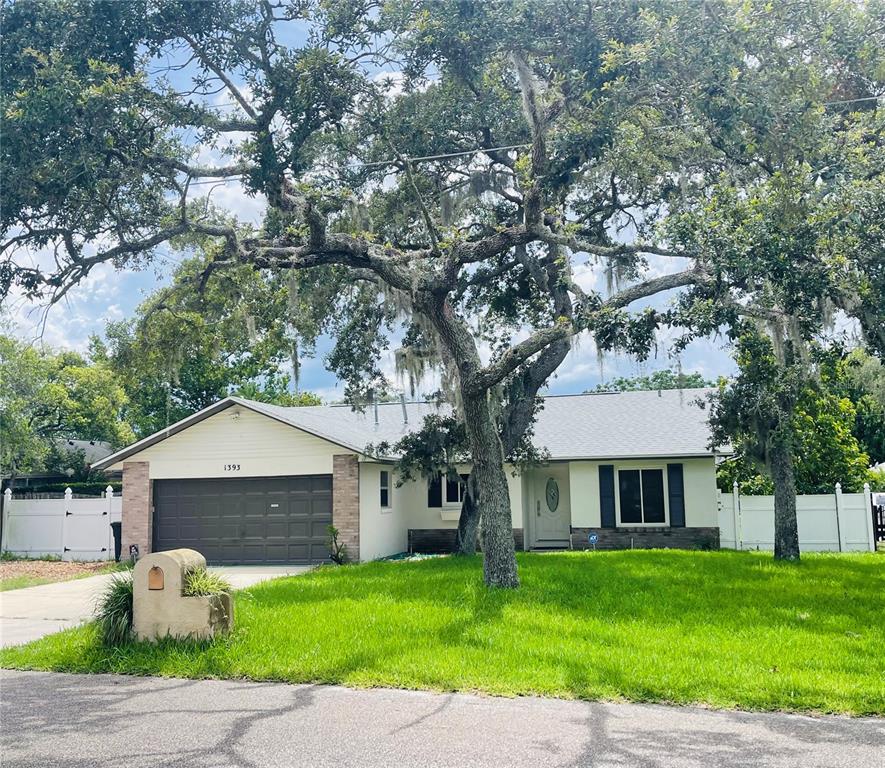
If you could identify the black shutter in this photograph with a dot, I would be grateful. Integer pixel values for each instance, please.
(607, 495)
(434, 491)
(676, 494)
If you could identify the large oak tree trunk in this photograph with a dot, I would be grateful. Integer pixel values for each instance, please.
(786, 529)
(492, 496)
(518, 417)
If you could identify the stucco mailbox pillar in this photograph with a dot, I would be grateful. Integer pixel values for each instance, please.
(158, 607)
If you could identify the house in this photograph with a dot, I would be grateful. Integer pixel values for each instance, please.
(77, 455)
(248, 482)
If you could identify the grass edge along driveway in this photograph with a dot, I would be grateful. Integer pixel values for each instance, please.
(722, 629)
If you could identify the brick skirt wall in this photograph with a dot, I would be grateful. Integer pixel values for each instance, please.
(647, 538)
(442, 540)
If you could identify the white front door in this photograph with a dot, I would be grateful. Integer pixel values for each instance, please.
(551, 515)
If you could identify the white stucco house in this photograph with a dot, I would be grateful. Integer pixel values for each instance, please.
(247, 482)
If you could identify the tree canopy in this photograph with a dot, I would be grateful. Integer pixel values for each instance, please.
(46, 397)
(456, 177)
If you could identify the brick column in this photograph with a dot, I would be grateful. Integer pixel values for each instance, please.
(346, 502)
(137, 507)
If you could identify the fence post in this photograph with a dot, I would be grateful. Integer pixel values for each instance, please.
(839, 516)
(868, 505)
(109, 508)
(736, 512)
(69, 495)
(7, 507)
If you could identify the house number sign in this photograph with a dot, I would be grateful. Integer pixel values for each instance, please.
(552, 494)
(231, 467)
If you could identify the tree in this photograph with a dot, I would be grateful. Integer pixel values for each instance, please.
(837, 424)
(664, 379)
(185, 349)
(457, 198)
(46, 397)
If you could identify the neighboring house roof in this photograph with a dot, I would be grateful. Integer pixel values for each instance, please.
(93, 450)
(654, 424)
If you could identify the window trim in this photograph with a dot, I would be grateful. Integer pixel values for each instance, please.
(383, 487)
(640, 467)
(444, 502)
(444, 491)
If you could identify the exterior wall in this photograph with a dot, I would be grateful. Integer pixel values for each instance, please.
(699, 476)
(346, 502)
(382, 531)
(647, 538)
(258, 444)
(421, 517)
(137, 507)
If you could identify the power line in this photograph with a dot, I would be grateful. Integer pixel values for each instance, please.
(508, 147)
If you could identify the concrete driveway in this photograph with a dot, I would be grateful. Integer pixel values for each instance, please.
(30, 613)
(125, 722)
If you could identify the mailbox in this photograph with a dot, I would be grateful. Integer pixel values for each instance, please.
(159, 609)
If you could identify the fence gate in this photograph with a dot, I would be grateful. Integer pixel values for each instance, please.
(878, 517)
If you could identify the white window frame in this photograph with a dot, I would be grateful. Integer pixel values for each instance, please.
(381, 487)
(640, 467)
(444, 491)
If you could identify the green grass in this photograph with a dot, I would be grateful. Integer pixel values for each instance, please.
(200, 582)
(717, 628)
(21, 582)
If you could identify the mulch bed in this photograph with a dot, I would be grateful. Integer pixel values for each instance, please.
(47, 569)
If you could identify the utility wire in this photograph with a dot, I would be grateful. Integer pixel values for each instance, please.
(476, 150)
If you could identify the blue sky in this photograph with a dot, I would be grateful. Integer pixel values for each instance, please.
(108, 295)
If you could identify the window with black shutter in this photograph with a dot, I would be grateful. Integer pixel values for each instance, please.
(641, 496)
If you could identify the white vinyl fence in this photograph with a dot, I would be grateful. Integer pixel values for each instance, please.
(73, 529)
(828, 522)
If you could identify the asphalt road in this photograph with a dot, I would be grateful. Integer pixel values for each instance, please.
(106, 720)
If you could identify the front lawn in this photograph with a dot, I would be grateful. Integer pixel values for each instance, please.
(21, 572)
(727, 629)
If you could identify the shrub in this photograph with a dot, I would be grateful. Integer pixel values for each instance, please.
(199, 582)
(114, 610)
(94, 488)
(337, 550)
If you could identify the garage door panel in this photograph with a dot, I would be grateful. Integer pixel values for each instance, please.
(245, 520)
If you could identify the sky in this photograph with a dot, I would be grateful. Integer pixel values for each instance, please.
(109, 295)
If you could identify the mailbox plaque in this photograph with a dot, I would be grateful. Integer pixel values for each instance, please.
(155, 578)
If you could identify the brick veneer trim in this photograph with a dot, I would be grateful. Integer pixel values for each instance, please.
(137, 507)
(346, 502)
(442, 540)
(647, 538)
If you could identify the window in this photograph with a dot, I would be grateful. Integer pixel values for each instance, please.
(445, 491)
(385, 489)
(454, 491)
(641, 494)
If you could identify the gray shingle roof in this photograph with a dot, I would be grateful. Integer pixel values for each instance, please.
(591, 426)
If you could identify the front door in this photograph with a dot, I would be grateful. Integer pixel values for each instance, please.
(551, 514)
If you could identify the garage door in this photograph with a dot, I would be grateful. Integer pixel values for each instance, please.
(245, 520)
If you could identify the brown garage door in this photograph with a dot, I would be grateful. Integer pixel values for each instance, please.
(245, 520)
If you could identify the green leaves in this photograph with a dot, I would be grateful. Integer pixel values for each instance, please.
(45, 397)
